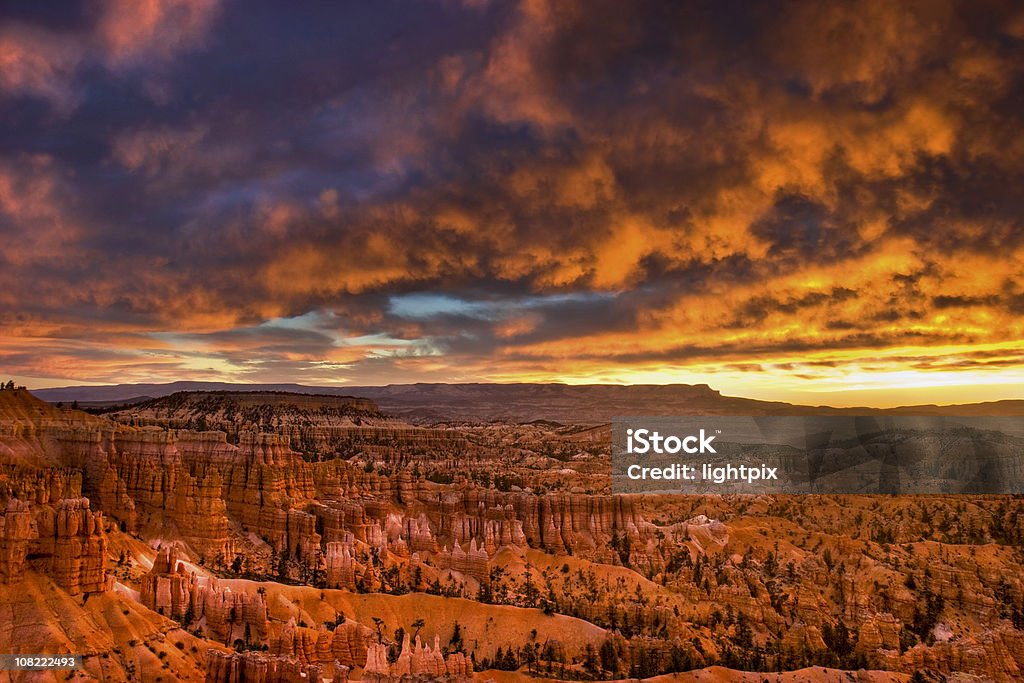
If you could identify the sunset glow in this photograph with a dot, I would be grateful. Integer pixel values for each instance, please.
(818, 205)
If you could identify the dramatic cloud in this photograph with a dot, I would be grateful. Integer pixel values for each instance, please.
(782, 199)
(117, 35)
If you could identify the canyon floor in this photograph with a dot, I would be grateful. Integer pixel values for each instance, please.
(272, 536)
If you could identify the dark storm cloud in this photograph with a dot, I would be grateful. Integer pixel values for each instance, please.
(758, 308)
(694, 180)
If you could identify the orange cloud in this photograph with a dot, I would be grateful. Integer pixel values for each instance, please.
(132, 29)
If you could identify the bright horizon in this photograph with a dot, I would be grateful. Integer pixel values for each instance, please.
(847, 398)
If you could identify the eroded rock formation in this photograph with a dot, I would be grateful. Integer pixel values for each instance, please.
(255, 667)
(516, 518)
(64, 540)
(416, 661)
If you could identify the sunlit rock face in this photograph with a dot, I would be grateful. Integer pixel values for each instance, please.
(17, 530)
(64, 540)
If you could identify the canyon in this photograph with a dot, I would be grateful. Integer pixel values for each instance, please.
(273, 536)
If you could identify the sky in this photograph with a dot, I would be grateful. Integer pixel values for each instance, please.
(804, 201)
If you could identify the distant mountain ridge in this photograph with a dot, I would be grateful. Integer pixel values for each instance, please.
(140, 392)
(579, 404)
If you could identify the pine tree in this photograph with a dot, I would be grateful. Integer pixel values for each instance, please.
(609, 657)
(455, 644)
